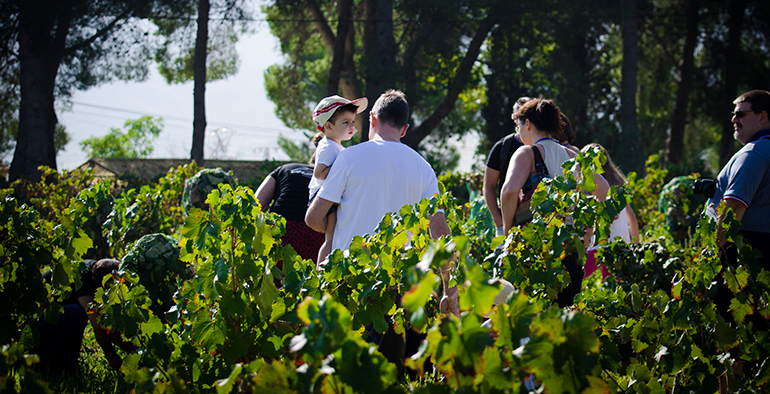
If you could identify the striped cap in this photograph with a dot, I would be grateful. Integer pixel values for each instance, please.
(325, 109)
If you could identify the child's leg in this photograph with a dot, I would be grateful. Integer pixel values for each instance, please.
(326, 248)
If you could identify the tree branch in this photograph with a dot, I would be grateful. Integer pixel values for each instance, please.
(101, 32)
(322, 24)
(457, 85)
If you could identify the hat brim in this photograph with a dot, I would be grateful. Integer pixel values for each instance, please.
(361, 103)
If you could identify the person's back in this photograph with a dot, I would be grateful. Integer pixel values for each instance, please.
(290, 197)
(386, 176)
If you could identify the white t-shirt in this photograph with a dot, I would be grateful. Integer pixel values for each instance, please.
(371, 179)
(325, 153)
(619, 227)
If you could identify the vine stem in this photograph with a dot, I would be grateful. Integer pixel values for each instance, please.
(340, 285)
(613, 379)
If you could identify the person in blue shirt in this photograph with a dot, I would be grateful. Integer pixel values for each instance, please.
(744, 186)
(744, 182)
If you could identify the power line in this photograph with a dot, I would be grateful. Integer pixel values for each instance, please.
(143, 113)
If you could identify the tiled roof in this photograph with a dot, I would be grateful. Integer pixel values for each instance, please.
(151, 169)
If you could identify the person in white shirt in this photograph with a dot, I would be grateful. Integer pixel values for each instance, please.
(376, 177)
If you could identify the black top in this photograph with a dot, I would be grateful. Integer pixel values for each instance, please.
(500, 156)
(291, 190)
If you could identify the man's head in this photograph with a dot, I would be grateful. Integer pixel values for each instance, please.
(751, 114)
(518, 104)
(391, 110)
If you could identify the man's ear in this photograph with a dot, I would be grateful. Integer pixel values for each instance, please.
(372, 120)
(403, 130)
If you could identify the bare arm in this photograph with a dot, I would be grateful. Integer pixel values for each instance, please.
(320, 171)
(519, 170)
(602, 187)
(315, 217)
(739, 210)
(102, 336)
(438, 227)
(633, 224)
(491, 176)
(266, 192)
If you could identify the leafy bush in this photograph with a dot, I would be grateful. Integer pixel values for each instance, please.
(651, 327)
(201, 184)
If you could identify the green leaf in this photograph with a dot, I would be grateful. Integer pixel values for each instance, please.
(225, 386)
(764, 279)
(153, 325)
(222, 270)
(418, 295)
(737, 279)
(481, 292)
(740, 309)
(267, 295)
(82, 243)
(208, 334)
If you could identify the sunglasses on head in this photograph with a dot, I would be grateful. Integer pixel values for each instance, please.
(740, 114)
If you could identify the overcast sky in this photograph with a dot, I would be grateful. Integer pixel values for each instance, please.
(241, 119)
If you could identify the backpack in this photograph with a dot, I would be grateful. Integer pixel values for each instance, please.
(523, 211)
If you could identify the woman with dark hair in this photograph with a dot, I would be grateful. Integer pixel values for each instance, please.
(539, 125)
(284, 192)
(541, 129)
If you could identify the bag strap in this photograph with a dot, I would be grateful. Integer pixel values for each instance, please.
(540, 167)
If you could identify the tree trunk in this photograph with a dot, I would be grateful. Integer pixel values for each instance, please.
(199, 91)
(340, 43)
(416, 135)
(380, 53)
(732, 70)
(675, 141)
(39, 57)
(347, 75)
(628, 121)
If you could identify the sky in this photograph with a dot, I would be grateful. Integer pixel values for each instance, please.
(241, 120)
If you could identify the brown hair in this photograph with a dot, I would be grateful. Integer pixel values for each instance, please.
(569, 132)
(102, 268)
(544, 114)
(316, 138)
(759, 100)
(339, 111)
(612, 173)
(392, 109)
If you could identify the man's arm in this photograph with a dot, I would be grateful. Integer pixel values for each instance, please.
(739, 210)
(315, 217)
(491, 176)
(438, 227)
